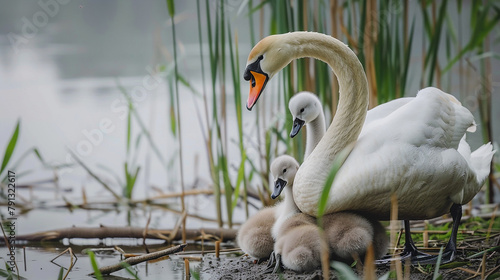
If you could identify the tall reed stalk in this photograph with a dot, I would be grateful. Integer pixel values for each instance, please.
(216, 126)
(171, 11)
(208, 133)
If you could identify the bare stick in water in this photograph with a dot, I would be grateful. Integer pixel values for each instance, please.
(136, 260)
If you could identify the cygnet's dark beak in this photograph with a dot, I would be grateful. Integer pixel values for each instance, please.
(279, 185)
(297, 125)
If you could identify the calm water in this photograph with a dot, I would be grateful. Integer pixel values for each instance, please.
(169, 268)
(61, 81)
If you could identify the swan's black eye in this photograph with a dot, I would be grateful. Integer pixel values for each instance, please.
(302, 110)
(284, 170)
(261, 57)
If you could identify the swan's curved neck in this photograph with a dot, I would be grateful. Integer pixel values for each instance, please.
(347, 122)
(353, 86)
(285, 210)
(315, 131)
(289, 203)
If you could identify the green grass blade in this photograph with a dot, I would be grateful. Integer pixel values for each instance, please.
(113, 173)
(130, 181)
(431, 60)
(5, 273)
(496, 248)
(239, 119)
(344, 271)
(436, 275)
(227, 186)
(97, 274)
(337, 163)
(171, 7)
(187, 84)
(37, 153)
(239, 180)
(128, 268)
(426, 18)
(93, 175)
(9, 150)
(454, 264)
(407, 57)
(258, 7)
(361, 38)
(127, 181)
(61, 274)
(39, 156)
(459, 6)
(129, 124)
(171, 109)
(482, 26)
(143, 127)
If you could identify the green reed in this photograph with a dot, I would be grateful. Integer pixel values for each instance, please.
(9, 150)
(95, 267)
(171, 11)
(216, 125)
(483, 18)
(8, 164)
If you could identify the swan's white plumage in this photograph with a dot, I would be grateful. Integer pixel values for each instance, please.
(409, 150)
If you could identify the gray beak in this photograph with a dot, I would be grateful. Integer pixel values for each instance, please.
(279, 185)
(297, 125)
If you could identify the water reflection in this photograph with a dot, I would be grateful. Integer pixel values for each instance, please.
(38, 262)
(62, 83)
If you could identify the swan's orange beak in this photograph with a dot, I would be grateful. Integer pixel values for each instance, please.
(257, 83)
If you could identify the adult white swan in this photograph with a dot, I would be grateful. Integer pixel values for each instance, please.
(411, 153)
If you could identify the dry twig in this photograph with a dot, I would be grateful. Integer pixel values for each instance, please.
(136, 260)
(102, 232)
(71, 263)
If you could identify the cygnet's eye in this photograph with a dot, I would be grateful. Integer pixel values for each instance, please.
(284, 170)
(261, 57)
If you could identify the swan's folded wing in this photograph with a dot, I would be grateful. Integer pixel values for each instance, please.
(432, 118)
(422, 178)
(385, 109)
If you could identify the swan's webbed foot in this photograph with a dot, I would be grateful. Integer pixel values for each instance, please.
(274, 265)
(449, 254)
(270, 264)
(447, 257)
(410, 252)
(278, 268)
(418, 257)
(450, 251)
